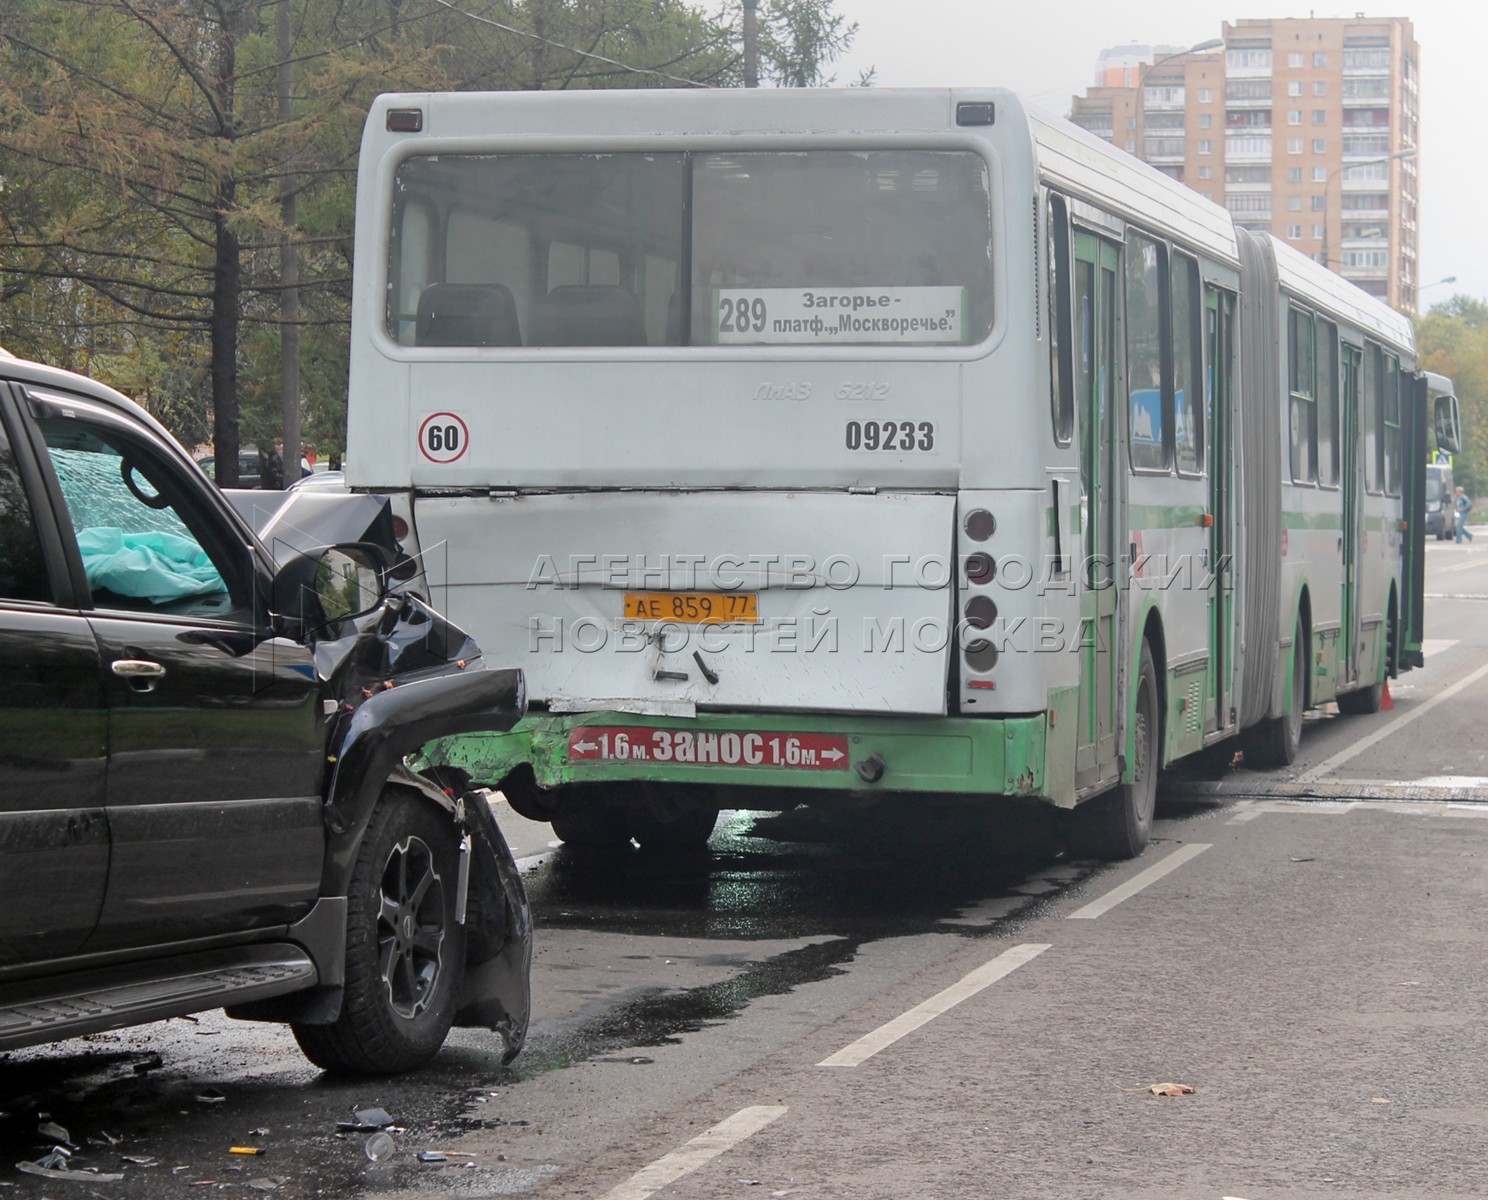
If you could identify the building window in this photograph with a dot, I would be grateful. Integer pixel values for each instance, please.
(1254, 60)
(1239, 174)
(1206, 95)
(1357, 57)
(1294, 59)
(1131, 146)
(1206, 172)
(1319, 58)
(1206, 120)
(1294, 145)
(1294, 87)
(1294, 204)
(1319, 87)
(1319, 145)
(1319, 116)
(1294, 116)
(1320, 204)
(1366, 143)
(1294, 233)
(1206, 146)
(1131, 122)
(1319, 174)
(1317, 232)
(1247, 89)
(1294, 174)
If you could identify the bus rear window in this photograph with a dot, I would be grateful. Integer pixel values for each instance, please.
(888, 247)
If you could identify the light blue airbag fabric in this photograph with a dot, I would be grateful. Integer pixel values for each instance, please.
(158, 567)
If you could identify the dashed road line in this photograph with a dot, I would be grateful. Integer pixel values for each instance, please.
(687, 1158)
(922, 1014)
(1137, 882)
(1399, 723)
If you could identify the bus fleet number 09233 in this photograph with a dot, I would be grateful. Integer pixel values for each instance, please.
(890, 435)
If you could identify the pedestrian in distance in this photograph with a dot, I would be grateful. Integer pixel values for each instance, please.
(1462, 503)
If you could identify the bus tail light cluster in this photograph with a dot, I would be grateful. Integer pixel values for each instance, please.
(979, 610)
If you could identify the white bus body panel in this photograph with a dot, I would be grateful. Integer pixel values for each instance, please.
(853, 593)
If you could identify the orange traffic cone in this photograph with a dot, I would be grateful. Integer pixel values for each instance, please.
(1385, 702)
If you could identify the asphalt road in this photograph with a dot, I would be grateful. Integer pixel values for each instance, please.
(894, 1009)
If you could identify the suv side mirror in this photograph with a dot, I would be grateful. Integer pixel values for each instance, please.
(336, 583)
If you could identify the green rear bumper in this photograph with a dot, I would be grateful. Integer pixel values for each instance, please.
(981, 756)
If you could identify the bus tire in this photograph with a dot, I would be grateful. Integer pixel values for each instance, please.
(1274, 742)
(592, 824)
(1118, 825)
(677, 817)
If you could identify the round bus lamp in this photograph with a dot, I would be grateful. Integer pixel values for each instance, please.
(871, 769)
(980, 569)
(980, 525)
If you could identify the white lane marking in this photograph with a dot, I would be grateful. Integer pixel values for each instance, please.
(922, 1014)
(1462, 566)
(1399, 723)
(1433, 646)
(687, 1158)
(1137, 882)
(1249, 810)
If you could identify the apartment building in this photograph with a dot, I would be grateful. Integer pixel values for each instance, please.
(1306, 128)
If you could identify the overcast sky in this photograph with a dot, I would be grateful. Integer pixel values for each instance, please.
(1047, 51)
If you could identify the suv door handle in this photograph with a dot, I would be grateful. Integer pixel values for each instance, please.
(137, 668)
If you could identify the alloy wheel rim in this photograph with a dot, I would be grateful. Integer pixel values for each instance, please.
(410, 926)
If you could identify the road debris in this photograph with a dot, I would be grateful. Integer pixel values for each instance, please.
(56, 1166)
(379, 1146)
(1170, 1089)
(245, 1149)
(56, 1133)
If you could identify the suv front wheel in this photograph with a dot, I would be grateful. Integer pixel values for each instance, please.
(405, 953)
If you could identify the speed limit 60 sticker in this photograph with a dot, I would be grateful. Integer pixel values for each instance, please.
(443, 437)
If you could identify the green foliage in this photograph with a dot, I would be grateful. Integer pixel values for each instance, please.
(1453, 341)
(144, 162)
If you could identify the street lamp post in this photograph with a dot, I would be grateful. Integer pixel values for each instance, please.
(1339, 170)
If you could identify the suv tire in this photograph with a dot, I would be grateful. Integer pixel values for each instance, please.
(405, 953)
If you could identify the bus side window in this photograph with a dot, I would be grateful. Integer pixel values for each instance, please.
(1149, 395)
(1369, 418)
(1188, 387)
(1327, 403)
(1061, 336)
(1303, 396)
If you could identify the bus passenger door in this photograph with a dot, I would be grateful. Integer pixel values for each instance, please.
(1351, 370)
(1095, 275)
(1219, 367)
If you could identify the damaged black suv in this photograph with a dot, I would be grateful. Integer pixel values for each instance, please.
(208, 751)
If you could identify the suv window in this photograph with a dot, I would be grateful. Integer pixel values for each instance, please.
(22, 569)
(138, 550)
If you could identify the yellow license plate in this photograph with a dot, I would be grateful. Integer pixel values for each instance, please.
(693, 608)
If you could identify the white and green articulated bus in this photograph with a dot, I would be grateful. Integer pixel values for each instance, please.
(802, 446)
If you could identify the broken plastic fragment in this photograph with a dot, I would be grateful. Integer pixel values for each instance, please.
(373, 1118)
(55, 1132)
(36, 1168)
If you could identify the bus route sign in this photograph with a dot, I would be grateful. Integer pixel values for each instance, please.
(873, 315)
(719, 748)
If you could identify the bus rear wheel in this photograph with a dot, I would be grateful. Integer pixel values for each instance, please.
(1118, 825)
